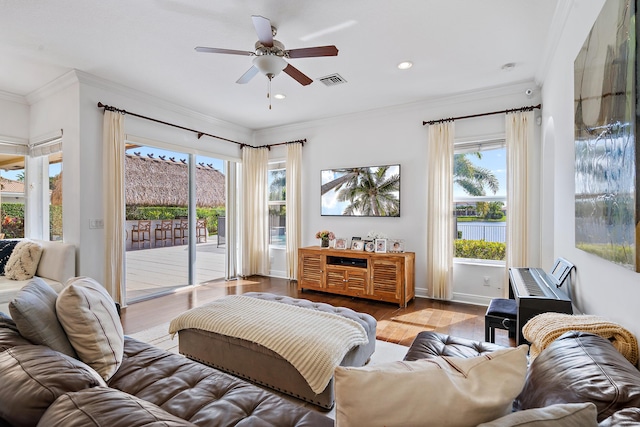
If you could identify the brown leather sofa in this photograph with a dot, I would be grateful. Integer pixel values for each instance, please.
(152, 387)
(578, 367)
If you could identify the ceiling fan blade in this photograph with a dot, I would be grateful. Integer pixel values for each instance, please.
(227, 51)
(309, 52)
(263, 29)
(248, 75)
(298, 75)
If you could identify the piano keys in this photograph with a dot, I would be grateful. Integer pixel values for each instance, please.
(537, 291)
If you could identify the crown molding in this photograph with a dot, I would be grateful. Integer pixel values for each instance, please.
(109, 86)
(426, 104)
(66, 80)
(75, 76)
(556, 29)
(12, 97)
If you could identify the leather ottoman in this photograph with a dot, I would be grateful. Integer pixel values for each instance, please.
(261, 365)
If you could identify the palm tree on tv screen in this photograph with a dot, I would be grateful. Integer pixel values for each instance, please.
(372, 193)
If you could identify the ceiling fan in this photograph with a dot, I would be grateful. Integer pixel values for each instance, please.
(270, 53)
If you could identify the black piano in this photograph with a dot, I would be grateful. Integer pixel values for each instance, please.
(537, 291)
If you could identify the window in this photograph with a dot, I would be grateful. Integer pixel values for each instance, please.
(55, 194)
(277, 204)
(12, 180)
(479, 195)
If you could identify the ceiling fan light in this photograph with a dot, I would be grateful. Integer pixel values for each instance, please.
(269, 65)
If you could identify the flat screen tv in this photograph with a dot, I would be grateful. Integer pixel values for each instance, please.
(361, 191)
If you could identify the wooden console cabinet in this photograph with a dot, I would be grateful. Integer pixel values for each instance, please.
(386, 277)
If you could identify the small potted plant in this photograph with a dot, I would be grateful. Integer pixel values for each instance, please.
(324, 237)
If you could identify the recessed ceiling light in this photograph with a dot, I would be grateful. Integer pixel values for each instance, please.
(405, 65)
(279, 96)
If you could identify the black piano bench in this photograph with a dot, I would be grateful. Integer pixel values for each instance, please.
(501, 314)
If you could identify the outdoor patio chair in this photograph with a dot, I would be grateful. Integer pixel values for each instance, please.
(163, 232)
(201, 230)
(141, 233)
(181, 231)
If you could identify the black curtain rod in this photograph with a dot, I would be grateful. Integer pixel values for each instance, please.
(297, 141)
(200, 134)
(514, 110)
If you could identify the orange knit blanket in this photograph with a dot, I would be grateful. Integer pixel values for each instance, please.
(544, 328)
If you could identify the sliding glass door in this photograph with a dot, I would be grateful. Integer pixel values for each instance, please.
(173, 202)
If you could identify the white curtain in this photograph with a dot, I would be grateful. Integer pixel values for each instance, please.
(293, 206)
(231, 229)
(113, 190)
(519, 134)
(439, 210)
(255, 212)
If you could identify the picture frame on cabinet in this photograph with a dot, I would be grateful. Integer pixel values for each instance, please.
(381, 246)
(369, 246)
(396, 245)
(357, 245)
(341, 243)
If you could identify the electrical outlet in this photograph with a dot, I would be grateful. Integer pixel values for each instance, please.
(487, 281)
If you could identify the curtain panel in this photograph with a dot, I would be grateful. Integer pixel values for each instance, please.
(519, 135)
(439, 210)
(294, 207)
(114, 203)
(255, 212)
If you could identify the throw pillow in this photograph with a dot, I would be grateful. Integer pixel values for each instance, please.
(32, 378)
(88, 316)
(34, 311)
(23, 262)
(462, 391)
(6, 247)
(101, 406)
(560, 415)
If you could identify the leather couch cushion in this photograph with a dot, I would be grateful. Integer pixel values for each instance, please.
(203, 395)
(429, 344)
(107, 407)
(31, 379)
(34, 311)
(581, 367)
(462, 391)
(561, 415)
(9, 335)
(89, 317)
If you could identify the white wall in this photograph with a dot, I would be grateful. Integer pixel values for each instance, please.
(601, 287)
(390, 136)
(14, 118)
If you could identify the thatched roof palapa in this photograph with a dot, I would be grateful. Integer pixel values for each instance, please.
(157, 182)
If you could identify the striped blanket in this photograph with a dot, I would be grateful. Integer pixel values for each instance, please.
(314, 342)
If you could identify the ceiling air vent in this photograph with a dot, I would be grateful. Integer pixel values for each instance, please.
(332, 79)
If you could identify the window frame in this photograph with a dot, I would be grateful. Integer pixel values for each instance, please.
(472, 145)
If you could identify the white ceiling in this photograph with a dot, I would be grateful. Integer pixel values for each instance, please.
(456, 46)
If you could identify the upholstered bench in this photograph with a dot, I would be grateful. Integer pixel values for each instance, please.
(261, 365)
(429, 344)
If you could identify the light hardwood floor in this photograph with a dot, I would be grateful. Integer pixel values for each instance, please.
(395, 324)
